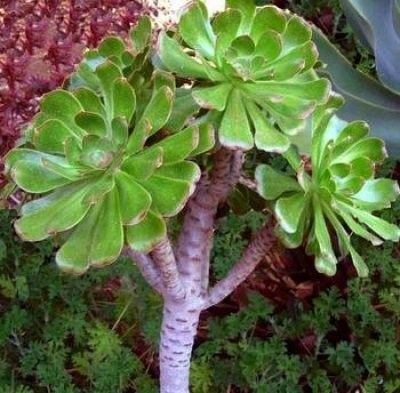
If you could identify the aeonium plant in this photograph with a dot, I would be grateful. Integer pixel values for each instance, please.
(129, 143)
(339, 191)
(252, 67)
(102, 184)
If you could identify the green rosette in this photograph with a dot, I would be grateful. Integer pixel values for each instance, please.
(252, 67)
(105, 175)
(341, 194)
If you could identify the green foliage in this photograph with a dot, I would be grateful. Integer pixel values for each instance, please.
(232, 240)
(252, 67)
(93, 149)
(64, 334)
(341, 192)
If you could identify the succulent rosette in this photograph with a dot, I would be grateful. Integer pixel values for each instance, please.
(253, 66)
(106, 175)
(341, 193)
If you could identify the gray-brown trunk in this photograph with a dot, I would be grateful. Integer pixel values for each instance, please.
(179, 328)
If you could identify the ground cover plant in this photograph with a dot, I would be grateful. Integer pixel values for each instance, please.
(144, 143)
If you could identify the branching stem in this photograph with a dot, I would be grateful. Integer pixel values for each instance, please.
(258, 247)
(164, 259)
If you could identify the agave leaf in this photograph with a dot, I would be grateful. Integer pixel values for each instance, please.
(365, 98)
(235, 128)
(47, 216)
(367, 18)
(196, 30)
(145, 235)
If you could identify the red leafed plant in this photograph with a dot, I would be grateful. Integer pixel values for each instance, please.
(40, 42)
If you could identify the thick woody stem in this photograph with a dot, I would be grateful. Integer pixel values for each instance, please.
(179, 327)
(147, 268)
(258, 247)
(164, 258)
(195, 240)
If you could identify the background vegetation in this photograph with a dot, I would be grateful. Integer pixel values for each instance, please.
(287, 329)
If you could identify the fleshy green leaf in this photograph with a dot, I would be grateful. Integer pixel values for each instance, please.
(141, 34)
(206, 139)
(159, 108)
(178, 146)
(235, 128)
(169, 195)
(145, 235)
(124, 99)
(50, 137)
(377, 194)
(92, 123)
(271, 184)
(214, 97)
(381, 227)
(47, 216)
(196, 30)
(267, 137)
(174, 58)
(143, 165)
(288, 211)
